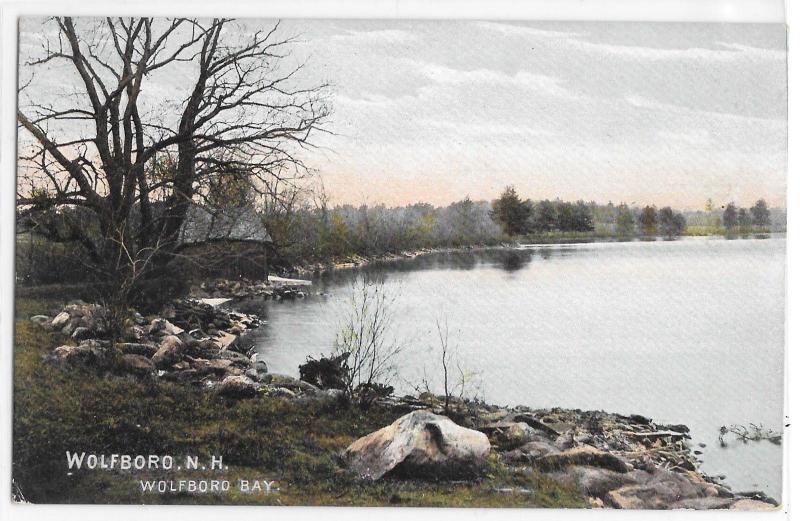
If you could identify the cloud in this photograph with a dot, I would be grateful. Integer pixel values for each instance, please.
(521, 30)
(379, 36)
(731, 52)
(541, 83)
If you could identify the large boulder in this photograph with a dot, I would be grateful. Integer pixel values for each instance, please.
(237, 387)
(419, 444)
(169, 352)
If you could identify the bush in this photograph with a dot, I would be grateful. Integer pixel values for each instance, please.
(327, 372)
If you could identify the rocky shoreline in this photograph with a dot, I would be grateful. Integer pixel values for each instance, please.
(615, 461)
(360, 261)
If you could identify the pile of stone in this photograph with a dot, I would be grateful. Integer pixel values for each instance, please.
(247, 289)
(223, 288)
(616, 461)
(77, 320)
(197, 343)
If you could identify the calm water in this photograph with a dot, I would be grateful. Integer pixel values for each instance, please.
(688, 331)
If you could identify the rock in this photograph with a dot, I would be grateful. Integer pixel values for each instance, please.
(596, 502)
(593, 481)
(223, 339)
(82, 333)
(41, 320)
(138, 365)
(130, 348)
(236, 359)
(278, 392)
(205, 348)
(752, 505)
(136, 333)
(233, 371)
(186, 376)
(678, 427)
(537, 424)
(275, 378)
(288, 382)
(529, 452)
(519, 433)
(169, 352)
(237, 387)
(581, 456)
(60, 320)
(703, 503)
(89, 353)
(419, 444)
(662, 489)
(180, 366)
(217, 366)
(259, 366)
(638, 419)
(162, 326)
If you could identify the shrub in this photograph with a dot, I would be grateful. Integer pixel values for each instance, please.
(325, 372)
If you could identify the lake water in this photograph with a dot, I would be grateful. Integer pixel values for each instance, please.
(688, 331)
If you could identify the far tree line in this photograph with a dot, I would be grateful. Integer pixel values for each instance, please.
(518, 217)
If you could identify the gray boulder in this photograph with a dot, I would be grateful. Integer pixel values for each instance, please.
(237, 387)
(419, 444)
(60, 320)
(169, 352)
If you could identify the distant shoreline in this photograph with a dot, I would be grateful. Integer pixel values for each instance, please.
(360, 261)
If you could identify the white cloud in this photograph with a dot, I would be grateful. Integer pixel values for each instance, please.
(379, 36)
(697, 54)
(521, 30)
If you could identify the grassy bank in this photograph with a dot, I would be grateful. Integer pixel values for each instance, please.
(290, 442)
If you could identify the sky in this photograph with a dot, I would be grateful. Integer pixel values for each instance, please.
(637, 112)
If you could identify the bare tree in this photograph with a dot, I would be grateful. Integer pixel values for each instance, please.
(107, 150)
(365, 339)
(455, 380)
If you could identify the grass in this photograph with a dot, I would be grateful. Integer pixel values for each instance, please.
(292, 443)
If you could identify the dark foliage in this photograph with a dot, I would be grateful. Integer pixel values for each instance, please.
(326, 372)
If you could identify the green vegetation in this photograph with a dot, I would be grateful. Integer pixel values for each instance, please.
(291, 442)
